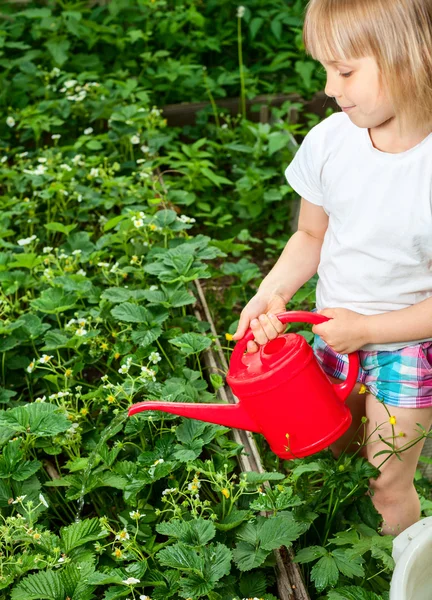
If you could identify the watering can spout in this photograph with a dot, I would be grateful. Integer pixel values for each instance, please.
(229, 415)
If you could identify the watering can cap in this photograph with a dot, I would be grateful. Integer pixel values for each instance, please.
(289, 352)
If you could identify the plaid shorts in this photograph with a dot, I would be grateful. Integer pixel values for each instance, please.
(398, 378)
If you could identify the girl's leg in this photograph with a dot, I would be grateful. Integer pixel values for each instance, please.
(393, 492)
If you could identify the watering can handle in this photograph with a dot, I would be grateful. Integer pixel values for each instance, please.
(301, 316)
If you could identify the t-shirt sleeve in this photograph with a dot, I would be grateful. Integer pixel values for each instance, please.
(303, 173)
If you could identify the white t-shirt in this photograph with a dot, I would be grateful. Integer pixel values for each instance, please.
(377, 252)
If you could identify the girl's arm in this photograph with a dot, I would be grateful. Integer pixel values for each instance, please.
(300, 258)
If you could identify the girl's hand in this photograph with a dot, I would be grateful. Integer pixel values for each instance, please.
(346, 332)
(259, 314)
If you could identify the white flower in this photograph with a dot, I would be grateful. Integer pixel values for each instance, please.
(137, 222)
(186, 219)
(135, 514)
(31, 366)
(23, 154)
(159, 461)
(4, 159)
(104, 265)
(144, 175)
(47, 249)
(145, 149)
(76, 159)
(82, 322)
(45, 358)
(131, 581)
(56, 136)
(81, 332)
(55, 72)
(70, 323)
(66, 167)
(19, 499)
(81, 272)
(123, 535)
(70, 83)
(124, 369)
(94, 172)
(148, 373)
(40, 399)
(10, 121)
(26, 241)
(42, 159)
(88, 131)
(144, 597)
(155, 357)
(114, 267)
(240, 12)
(76, 252)
(61, 559)
(42, 499)
(40, 170)
(224, 126)
(135, 139)
(169, 491)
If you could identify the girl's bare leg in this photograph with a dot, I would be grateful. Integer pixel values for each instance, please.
(393, 493)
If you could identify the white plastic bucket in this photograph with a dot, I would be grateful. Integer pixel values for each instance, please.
(412, 552)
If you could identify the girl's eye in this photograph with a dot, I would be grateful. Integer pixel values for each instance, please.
(346, 74)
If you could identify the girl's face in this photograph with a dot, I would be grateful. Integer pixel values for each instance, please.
(356, 87)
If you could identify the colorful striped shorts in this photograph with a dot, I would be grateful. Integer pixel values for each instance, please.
(399, 378)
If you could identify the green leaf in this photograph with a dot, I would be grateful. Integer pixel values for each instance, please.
(233, 520)
(253, 584)
(189, 451)
(217, 562)
(144, 337)
(111, 223)
(80, 533)
(46, 585)
(117, 295)
(309, 554)
(191, 343)
(66, 229)
(349, 565)
(216, 179)
(189, 430)
(59, 50)
(181, 557)
(248, 556)
(26, 261)
(55, 339)
(258, 478)
(39, 419)
(279, 531)
(193, 533)
(325, 573)
(131, 313)
(352, 592)
(277, 140)
(54, 301)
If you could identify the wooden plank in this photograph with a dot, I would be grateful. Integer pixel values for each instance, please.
(185, 113)
(289, 579)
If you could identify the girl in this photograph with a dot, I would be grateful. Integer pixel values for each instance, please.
(365, 180)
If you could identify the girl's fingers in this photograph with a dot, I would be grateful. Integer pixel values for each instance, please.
(271, 326)
(252, 347)
(278, 325)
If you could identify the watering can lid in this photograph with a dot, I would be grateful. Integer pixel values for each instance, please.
(289, 351)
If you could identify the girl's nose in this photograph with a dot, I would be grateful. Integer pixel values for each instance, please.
(332, 88)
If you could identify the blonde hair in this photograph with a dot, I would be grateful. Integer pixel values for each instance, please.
(397, 33)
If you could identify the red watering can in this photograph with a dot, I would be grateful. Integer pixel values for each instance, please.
(283, 391)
